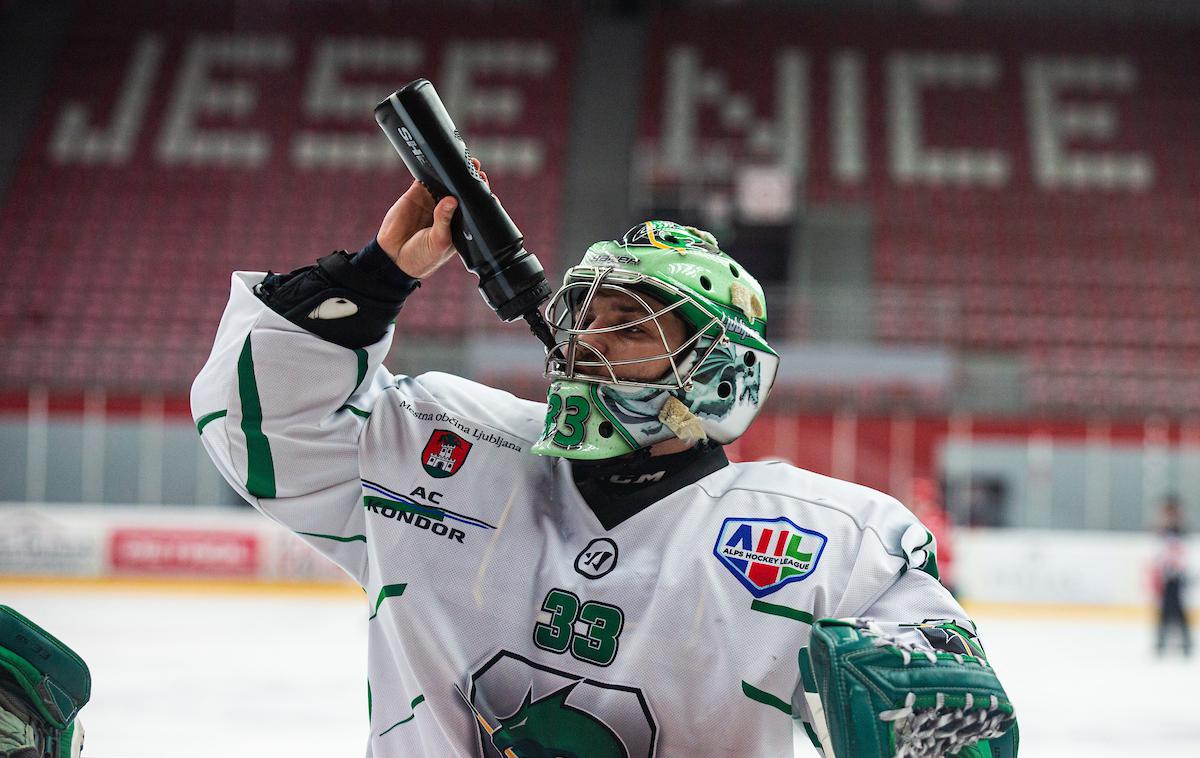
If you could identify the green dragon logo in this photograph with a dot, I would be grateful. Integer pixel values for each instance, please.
(549, 728)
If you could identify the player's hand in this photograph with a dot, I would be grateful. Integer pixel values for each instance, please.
(416, 233)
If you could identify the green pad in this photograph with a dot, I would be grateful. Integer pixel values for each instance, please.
(52, 676)
(884, 698)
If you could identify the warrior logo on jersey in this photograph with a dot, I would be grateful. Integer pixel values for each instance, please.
(444, 453)
(534, 710)
(765, 554)
(597, 559)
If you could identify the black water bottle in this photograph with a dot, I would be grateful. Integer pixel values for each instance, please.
(511, 279)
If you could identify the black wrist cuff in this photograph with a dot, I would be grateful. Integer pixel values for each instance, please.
(349, 302)
(374, 261)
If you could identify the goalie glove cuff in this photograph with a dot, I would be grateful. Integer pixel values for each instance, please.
(43, 684)
(346, 301)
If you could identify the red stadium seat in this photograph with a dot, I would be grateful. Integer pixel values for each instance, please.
(122, 266)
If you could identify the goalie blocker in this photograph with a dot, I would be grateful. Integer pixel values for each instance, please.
(876, 693)
(43, 684)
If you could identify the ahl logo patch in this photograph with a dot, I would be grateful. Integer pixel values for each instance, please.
(765, 554)
(444, 453)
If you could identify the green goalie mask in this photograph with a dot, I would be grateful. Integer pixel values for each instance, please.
(716, 378)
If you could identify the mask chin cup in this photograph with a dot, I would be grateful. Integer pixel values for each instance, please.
(594, 421)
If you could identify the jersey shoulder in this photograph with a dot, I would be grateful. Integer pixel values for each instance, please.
(781, 482)
(473, 402)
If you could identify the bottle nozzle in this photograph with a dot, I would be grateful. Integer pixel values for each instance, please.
(539, 327)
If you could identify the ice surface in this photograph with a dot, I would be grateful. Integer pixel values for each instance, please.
(187, 675)
(193, 675)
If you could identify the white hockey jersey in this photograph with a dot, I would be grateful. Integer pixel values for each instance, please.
(489, 579)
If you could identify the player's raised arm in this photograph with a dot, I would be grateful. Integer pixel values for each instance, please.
(297, 368)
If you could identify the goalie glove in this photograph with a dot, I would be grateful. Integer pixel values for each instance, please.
(43, 684)
(880, 696)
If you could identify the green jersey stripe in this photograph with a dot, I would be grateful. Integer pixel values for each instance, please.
(766, 698)
(351, 538)
(362, 366)
(209, 417)
(782, 610)
(386, 591)
(413, 707)
(812, 735)
(260, 467)
(361, 355)
(930, 566)
(372, 501)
